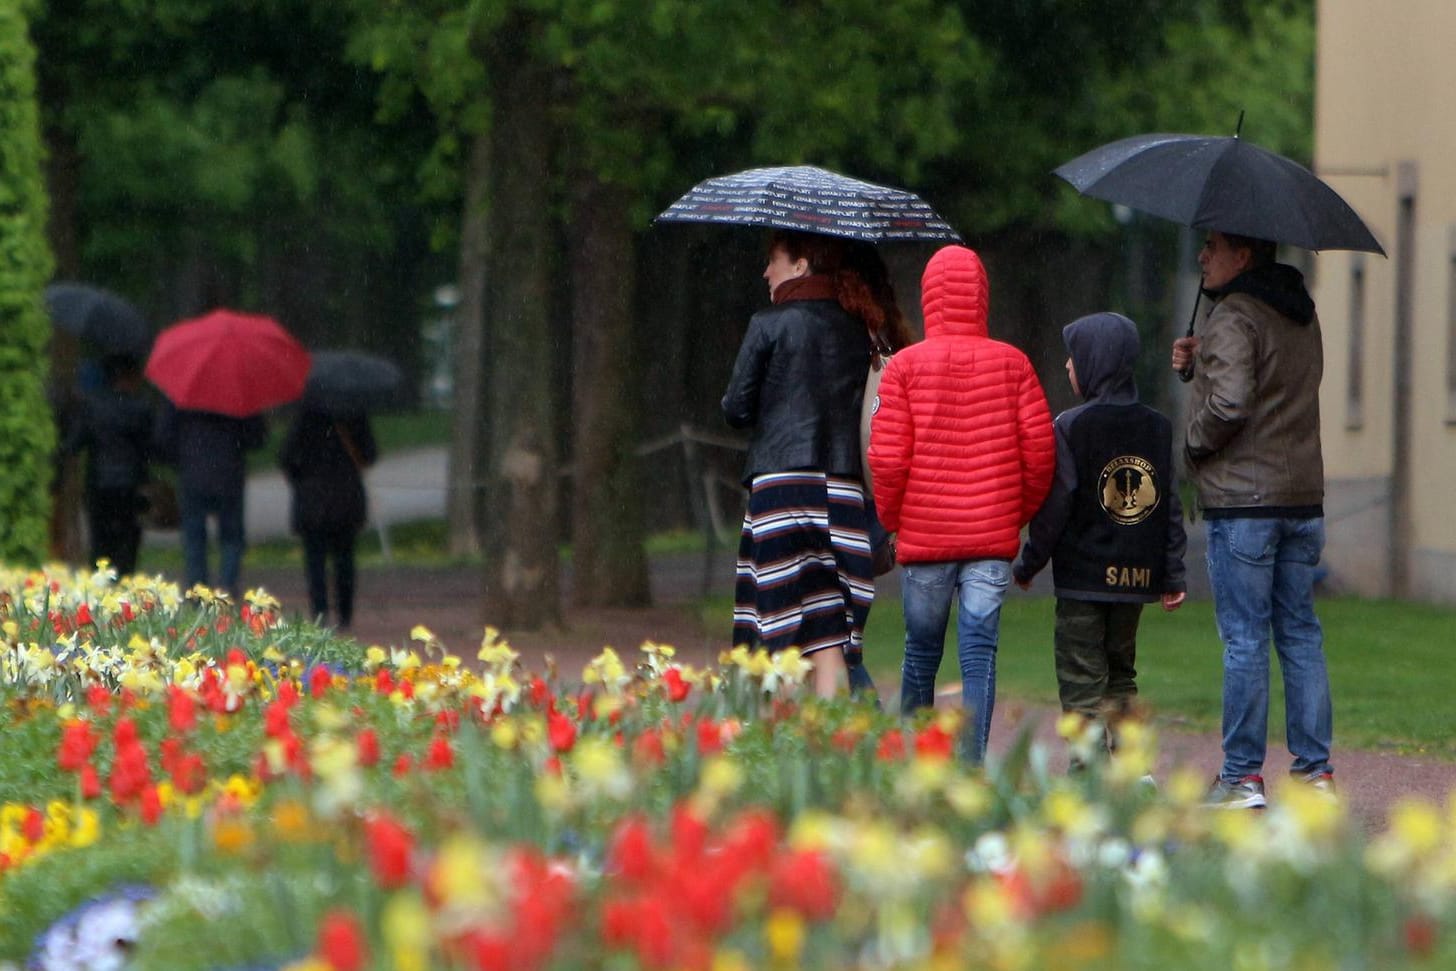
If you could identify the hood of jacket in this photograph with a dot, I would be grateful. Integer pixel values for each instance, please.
(1279, 285)
(1104, 349)
(955, 296)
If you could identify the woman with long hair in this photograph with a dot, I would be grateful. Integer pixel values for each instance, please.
(805, 580)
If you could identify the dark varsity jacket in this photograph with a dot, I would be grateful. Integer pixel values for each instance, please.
(1112, 525)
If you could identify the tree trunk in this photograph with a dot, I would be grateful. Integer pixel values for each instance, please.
(609, 563)
(469, 432)
(522, 586)
(66, 535)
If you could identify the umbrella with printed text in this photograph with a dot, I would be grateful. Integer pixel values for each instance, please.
(811, 200)
(228, 362)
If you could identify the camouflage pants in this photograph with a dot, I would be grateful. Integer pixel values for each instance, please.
(1096, 655)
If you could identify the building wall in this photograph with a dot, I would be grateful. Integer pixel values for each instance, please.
(1384, 128)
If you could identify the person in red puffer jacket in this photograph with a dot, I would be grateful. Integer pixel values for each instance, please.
(962, 452)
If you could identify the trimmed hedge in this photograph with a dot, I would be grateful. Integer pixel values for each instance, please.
(27, 430)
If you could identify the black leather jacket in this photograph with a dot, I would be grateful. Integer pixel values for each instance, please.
(799, 383)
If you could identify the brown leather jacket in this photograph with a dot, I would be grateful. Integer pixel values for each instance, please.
(1253, 435)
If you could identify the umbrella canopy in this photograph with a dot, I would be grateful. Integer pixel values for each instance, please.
(351, 382)
(99, 317)
(1224, 184)
(228, 362)
(811, 200)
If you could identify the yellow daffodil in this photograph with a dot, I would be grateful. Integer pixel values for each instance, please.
(784, 933)
(406, 928)
(598, 765)
(607, 670)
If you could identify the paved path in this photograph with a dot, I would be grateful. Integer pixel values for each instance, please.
(403, 486)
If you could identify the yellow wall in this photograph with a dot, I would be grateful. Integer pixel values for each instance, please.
(1386, 94)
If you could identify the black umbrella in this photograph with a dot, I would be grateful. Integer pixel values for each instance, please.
(813, 200)
(98, 317)
(1220, 183)
(351, 382)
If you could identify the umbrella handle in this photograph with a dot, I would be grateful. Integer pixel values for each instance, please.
(1186, 374)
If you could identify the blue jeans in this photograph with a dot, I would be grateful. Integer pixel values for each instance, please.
(1262, 572)
(194, 509)
(978, 586)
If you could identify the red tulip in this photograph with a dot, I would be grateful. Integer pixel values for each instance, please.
(805, 881)
(391, 849)
(341, 941)
(560, 731)
(368, 743)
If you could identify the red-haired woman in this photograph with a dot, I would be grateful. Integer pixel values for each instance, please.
(805, 579)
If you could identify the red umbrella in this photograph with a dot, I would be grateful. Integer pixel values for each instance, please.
(228, 362)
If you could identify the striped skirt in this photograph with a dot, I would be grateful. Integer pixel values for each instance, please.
(805, 579)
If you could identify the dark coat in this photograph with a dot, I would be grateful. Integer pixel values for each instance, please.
(1112, 524)
(208, 449)
(115, 427)
(798, 383)
(323, 458)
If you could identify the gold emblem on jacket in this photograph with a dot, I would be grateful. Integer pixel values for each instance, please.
(1128, 489)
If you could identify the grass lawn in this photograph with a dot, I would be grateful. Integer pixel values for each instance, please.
(1388, 666)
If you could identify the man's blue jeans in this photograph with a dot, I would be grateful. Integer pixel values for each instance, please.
(978, 587)
(1262, 572)
(194, 508)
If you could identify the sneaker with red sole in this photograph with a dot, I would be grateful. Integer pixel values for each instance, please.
(1245, 793)
(1321, 782)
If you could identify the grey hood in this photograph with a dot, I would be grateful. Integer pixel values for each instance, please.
(1104, 349)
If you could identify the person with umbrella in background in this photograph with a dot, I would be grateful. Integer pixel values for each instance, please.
(323, 457)
(113, 424)
(220, 372)
(210, 453)
(328, 446)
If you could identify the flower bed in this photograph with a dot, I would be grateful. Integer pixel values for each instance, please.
(189, 783)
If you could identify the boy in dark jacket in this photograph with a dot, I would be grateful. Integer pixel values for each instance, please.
(1112, 525)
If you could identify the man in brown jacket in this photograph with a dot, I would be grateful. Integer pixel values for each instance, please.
(1253, 451)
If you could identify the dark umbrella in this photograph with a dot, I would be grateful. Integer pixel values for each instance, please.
(351, 382)
(813, 200)
(1221, 183)
(99, 317)
(228, 362)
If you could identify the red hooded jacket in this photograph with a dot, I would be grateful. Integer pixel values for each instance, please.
(961, 442)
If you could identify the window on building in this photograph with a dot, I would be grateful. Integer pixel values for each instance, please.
(1355, 385)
